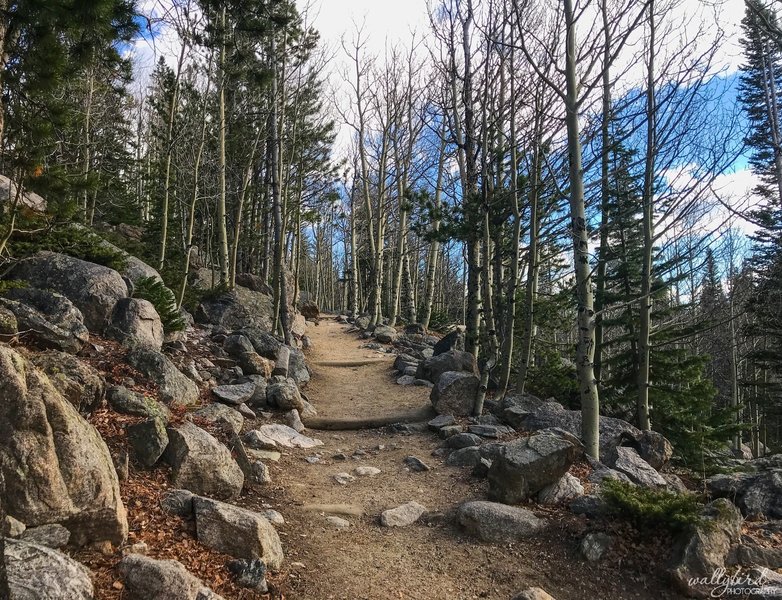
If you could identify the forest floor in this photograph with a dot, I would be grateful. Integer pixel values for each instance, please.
(433, 558)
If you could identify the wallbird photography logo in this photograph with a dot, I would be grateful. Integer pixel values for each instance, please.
(757, 583)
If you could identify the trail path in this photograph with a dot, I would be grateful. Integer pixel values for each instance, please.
(431, 559)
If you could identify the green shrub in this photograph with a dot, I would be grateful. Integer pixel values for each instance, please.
(77, 242)
(164, 301)
(652, 509)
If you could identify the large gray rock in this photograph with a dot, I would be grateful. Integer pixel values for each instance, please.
(48, 320)
(385, 334)
(637, 469)
(284, 395)
(135, 322)
(565, 489)
(173, 386)
(235, 309)
(525, 466)
(531, 414)
(703, 549)
(453, 360)
(454, 393)
(263, 342)
(128, 402)
(452, 341)
(221, 414)
(201, 464)
(147, 578)
(493, 522)
(56, 467)
(757, 493)
(27, 199)
(297, 367)
(403, 515)
(234, 394)
(79, 383)
(92, 288)
(39, 573)
(148, 440)
(253, 282)
(236, 531)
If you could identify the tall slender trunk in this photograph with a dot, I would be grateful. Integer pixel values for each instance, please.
(194, 196)
(87, 145)
(604, 191)
(222, 225)
(170, 151)
(434, 246)
(280, 288)
(240, 208)
(645, 302)
(353, 299)
(590, 401)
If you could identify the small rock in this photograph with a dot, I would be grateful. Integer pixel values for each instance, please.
(495, 522)
(148, 440)
(52, 536)
(591, 506)
(221, 414)
(463, 440)
(489, 431)
(178, 502)
(406, 380)
(441, 421)
(464, 457)
(564, 490)
(533, 593)
(403, 515)
(234, 394)
(416, 464)
(343, 478)
(450, 431)
(338, 522)
(340, 456)
(366, 471)
(13, 527)
(249, 573)
(272, 516)
(246, 411)
(594, 545)
(293, 420)
(481, 469)
(312, 459)
(259, 441)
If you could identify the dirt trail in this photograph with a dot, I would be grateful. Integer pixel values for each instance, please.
(431, 559)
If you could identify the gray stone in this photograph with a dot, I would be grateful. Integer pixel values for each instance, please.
(145, 578)
(454, 393)
(405, 380)
(454, 360)
(704, 548)
(255, 471)
(287, 437)
(565, 489)
(93, 289)
(259, 441)
(366, 471)
(490, 431)
(464, 457)
(493, 522)
(148, 440)
(284, 395)
(403, 515)
(249, 573)
(274, 517)
(757, 493)
(481, 468)
(234, 395)
(595, 545)
(637, 469)
(463, 440)
(135, 322)
(79, 383)
(527, 465)
(450, 431)
(590, 505)
(13, 527)
(385, 334)
(173, 386)
(237, 344)
(40, 573)
(128, 402)
(297, 367)
(178, 502)
(221, 414)
(293, 420)
(453, 341)
(343, 478)
(52, 535)
(338, 522)
(201, 464)
(47, 320)
(415, 464)
(441, 421)
(55, 465)
(263, 342)
(236, 531)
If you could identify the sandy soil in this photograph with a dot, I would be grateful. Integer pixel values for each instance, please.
(431, 559)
